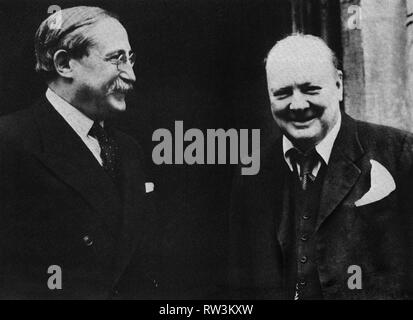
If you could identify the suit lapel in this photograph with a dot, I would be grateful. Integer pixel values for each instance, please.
(65, 154)
(271, 176)
(134, 209)
(273, 173)
(342, 171)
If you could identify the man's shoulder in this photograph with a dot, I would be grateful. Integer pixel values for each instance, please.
(271, 151)
(383, 131)
(18, 125)
(382, 137)
(270, 158)
(391, 147)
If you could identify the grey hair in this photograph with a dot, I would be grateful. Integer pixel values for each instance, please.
(69, 35)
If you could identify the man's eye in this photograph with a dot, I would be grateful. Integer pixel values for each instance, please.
(312, 90)
(114, 58)
(281, 95)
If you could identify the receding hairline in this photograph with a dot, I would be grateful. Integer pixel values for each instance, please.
(287, 45)
(91, 30)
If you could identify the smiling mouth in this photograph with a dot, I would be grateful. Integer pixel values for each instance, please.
(303, 122)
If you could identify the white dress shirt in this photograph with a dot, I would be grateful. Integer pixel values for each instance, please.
(79, 122)
(323, 148)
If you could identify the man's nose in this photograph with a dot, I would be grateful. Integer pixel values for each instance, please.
(127, 73)
(298, 101)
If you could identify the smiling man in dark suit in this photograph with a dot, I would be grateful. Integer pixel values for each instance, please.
(72, 187)
(329, 214)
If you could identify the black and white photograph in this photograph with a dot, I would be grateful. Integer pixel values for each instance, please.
(206, 155)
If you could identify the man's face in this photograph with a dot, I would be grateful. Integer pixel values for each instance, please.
(305, 90)
(100, 86)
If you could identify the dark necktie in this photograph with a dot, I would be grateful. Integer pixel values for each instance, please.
(307, 162)
(108, 150)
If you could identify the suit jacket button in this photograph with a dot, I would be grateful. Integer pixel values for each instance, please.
(87, 240)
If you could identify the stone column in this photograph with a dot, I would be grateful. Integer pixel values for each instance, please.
(384, 43)
(353, 59)
(409, 55)
(384, 74)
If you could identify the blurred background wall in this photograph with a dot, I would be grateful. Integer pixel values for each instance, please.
(378, 60)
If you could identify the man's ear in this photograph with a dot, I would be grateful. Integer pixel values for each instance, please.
(339, 84)
(61, 60)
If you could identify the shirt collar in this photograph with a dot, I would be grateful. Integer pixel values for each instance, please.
(74, 117)
(323, 148)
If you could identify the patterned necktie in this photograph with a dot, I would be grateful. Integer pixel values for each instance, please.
(307, 162)
(108, 150)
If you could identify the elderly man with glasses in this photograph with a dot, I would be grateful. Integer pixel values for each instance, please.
(75, 217)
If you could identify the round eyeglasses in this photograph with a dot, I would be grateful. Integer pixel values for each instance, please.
(121, 59)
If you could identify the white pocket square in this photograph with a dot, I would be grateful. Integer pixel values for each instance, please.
(149, 186)
(382, 184)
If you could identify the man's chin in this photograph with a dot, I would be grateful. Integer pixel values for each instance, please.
(303, 133)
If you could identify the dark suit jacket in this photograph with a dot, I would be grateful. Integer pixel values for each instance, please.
(376, 237)
(56, 203)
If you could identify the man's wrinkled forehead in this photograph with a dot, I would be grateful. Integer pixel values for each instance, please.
(293, 70)
(109, 34)
(300, 61)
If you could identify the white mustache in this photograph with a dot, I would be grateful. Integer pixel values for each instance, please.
(120, 86)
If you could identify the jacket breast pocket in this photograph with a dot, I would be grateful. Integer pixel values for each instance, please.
(383, 210)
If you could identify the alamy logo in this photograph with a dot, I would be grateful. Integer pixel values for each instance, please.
(355, 280)
(171, 149)
(354, 21)
(56, 22)
(55, 280)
